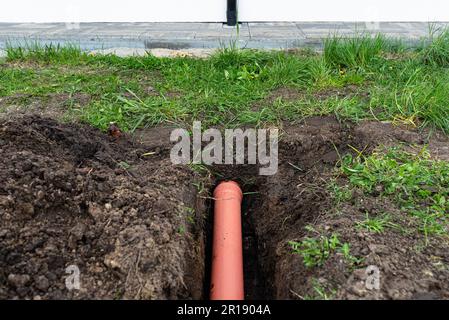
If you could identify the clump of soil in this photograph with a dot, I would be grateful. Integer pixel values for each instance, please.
(72, 196)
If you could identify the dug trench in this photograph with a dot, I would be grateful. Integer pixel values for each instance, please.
(138, 227)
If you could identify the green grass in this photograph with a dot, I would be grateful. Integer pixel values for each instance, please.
(437, 52)
(340, 194)
(316, 250)
(321, 291)
(376, 224)
(357, 52)
(416, 184)
(46, 54)
(231, 88)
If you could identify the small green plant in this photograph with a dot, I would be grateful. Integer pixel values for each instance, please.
(321, 292)
(190, 215)
(124, 165)
(339, 193)
(376, 224)
(199, 168)
(181, 230)
(250, 72)
(200, 187)
(316, 251)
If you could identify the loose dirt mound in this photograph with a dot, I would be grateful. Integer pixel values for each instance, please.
(71, 196)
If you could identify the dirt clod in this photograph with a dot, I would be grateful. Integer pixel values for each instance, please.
(67, 201)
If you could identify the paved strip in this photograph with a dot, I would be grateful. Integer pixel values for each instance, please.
(136, 38)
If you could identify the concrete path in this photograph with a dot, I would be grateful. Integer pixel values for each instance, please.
(136, 38)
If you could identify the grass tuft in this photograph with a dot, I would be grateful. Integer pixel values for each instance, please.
(357, 52)
(46, 53)
(437, 52)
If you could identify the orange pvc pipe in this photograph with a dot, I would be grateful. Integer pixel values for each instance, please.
(227, 255)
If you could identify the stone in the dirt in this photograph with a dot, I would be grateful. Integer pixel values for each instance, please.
(111, 263)
(360, 274)
(18, 280)
(165, 237)
(40, 195)
(95, 211)
(78, 231)
(359, 289)
(27, 209)
(378, 248)
(393, 293)
(5, 201)
(42, 283)
(76, 234)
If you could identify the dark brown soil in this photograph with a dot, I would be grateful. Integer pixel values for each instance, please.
(72, 196)
(139, 227)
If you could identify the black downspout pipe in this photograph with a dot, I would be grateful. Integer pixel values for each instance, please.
(231, 13)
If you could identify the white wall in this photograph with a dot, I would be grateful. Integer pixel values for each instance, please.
(112, 10)
(344, 10)
(215, 10)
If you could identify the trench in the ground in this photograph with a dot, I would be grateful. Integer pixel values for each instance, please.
(259, 249)
(257, 283)
(277, 207)
(260, 277)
